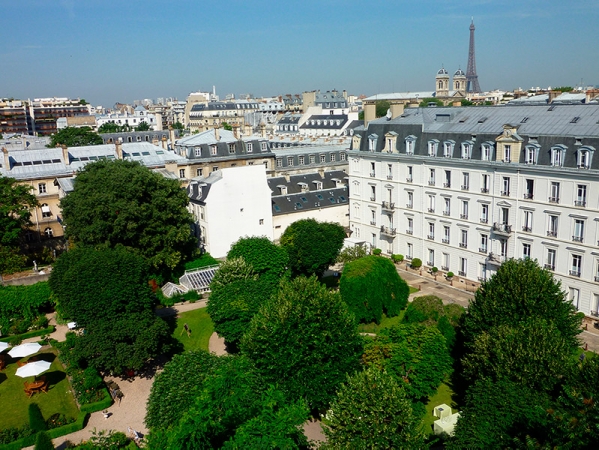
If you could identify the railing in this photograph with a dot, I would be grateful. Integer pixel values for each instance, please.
(549, 266)
(505, 193)
(551, 233)
(484, 190)
(464, 216)
(445, 240)
(465, 187)
(446, 185)
(430, 263)
(580, 203)
(431, 237)
(528, 196)
(372, 174)
(409, 258)
(409, 179)
(463, 244)
(446, 268)
(484, 220)
(482, 249)
(372, 198)
(409, 231)
(431, 210)
(388, 205)
(595, 313)
(574, 273)
(409, 205)
(502, 227)
(389, 177)
(577, 238)
(431, 182)
(388, 231)
(526, 229)
(446, 213)
(461, 273)
(373, 222)
(553, 199)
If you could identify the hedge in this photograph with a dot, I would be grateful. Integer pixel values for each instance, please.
(29, 334)
(98, 406)
(18, 302)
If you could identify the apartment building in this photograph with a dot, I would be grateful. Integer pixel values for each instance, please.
(465, 189)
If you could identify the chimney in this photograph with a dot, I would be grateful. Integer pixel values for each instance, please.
(396, 110)
(344, 94)
(553, 94)
(171, 135)
(65, 155)
(164, 142)
(591, 94)
(6, 159)
(235, 130)
(118, 146)
(262, 130)
(216, 133)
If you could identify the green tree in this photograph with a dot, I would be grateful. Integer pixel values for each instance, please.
(124, 203)
(426, 102)
(312, 246)
(178, 126)
(143, 126)
(381, 108)
(429, 310)
(415, 355)
(371, 411)
(16, 202)
(466, 102)
(351, 253)
(304, 340)
(518, 291)
(110, 127)
(43, 441)
(226, 126)
(533, 353)
(176, 388)
(371, 286)
(75, 137)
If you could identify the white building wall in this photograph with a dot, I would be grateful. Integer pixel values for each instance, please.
(336, 214)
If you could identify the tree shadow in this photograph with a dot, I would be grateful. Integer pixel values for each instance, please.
(3, 377)
(49, 357)
(54, 377)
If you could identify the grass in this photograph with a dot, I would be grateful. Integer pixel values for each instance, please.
(444, 395)
(15, 403)
(201, 327)
(386, 322)
(413, 289)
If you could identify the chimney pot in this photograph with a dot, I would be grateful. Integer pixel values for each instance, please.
(65, 155)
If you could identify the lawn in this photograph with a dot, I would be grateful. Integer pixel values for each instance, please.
(201, 328)
(444, 395)
(15, 404)
(413, 289)
(386, 322)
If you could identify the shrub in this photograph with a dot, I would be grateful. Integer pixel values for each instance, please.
(8, 435)
(41, 322)
(36, 420)
(22, 303)
(203, 261)
(425, 309)
(377, 251)
(15, 340)
(43, 442)
(416, 263)
(449, 275)
(371, 286)
(58, 420)
(434, 270)
(397, 258)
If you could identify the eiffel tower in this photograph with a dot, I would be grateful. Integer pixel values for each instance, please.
(471, 76)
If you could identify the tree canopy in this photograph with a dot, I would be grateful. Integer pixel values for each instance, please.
(123, 203)
(75, 137)
(312, 246)
(16, 201)
(372, 411)
(371, 286)
(304, 340)
(178, 126)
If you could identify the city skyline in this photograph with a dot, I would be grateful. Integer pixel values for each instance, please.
(109, 52)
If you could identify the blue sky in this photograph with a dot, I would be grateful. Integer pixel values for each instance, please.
(107, 51)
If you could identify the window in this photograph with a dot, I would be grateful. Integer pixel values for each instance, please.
(199, 172)
(446, 234)
(214, 168)
(46, 210)
(231, 148)
(447, 183)
(527, 225)
(250, 147)
(576, 265)
(529, 189)
(373, 193)
(343, 156)
(486, 152)
(198, 151)
(447, 149)
(484, 243)
(486, 182)
(41, 188)
(463, 238)
(432, 147)
(445, 265)
(554, 192)
(410, 229)
(290, 161)
(373, 240)
(574, 296)
(323, 158)
(465, 181)
(581, 195)
(507, 153)
(261, 222)
(484, 213)
(431, 203)
(447, 207)
(410, 252)
(372, 170)
(410, 176)
(372, 142)
(48, 232)
(213, 150)
(372, 217)
(410, 203)
(410, 141)
(312, 159)
(431, 258)
(505, 216)
(466, 150)
(181, 173)
(431, 230)
(301, 160)
(389, 171)
(530, 156)
(431, 177)
(525, 251)
(552, 226)
(333, 157)
(506, 186)
(551, 258)
(578, 230)
(584, 159)
(463, 267)
(263, 146)
(557, 156)
(464, 213)
(503, 247)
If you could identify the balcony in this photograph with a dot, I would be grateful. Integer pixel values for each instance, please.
(445, 240)
(373, 222)
(574, 273)
(465, 187)
(430, 263)
(431, 182)
(446, 213)
(497, 260)
(482, 279)
(553, 199)
(577, 239)
(446, 185)
(431, 210)
(464, 216)
(389, 206)
(446, 268)
(502, 228)
(409, 257)
(595, 313)
(463, 244)
(484, 190)
(372, 174)
(528, 196)
(387, 231)
(431, 237)
(461, 273)
(505, 193)
(409, 205)
(551, 233)
(484, 220)
(597, 278)
(409, 179)
(527, 229)
(372, 198)
(482, 250)
(409, 231)
(389, 177)
(581, 203)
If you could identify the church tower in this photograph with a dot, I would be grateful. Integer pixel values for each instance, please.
(442, 83)
(459, 81)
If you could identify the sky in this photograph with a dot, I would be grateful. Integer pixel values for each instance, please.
(110, 51)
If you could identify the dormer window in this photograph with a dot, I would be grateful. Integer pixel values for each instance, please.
(318, 185)
(557, 155)
(432, 147)
(263, 146)
(303, 187)
(250, 147)
(372, 142)
(466, 150)
(531, 154)
(584, 156)
(486, 152)
(507, 153)
(213, 150)
(283, 190)
(410, 144)
(448, 149)
(231, 148)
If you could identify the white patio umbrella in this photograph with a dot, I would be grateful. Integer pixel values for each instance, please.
(3, 346)
(33, 369)
(25, 350)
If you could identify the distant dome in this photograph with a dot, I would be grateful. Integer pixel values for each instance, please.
(459, 73)
(442, 71)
